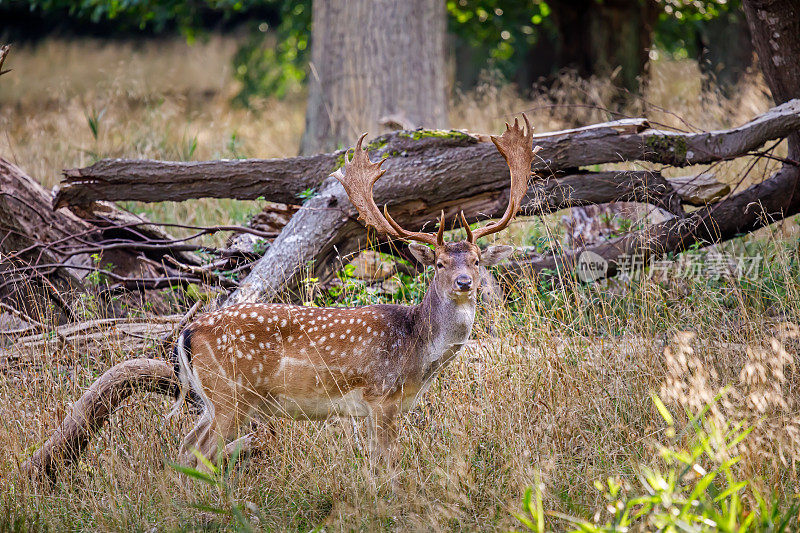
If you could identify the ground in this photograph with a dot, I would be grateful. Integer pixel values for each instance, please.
(557, 384)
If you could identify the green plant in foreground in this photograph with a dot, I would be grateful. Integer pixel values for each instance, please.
(219, 477)
(699, 491)
(307, 193)
(93, 118)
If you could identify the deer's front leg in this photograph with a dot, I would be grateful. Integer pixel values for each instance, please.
(383, 432)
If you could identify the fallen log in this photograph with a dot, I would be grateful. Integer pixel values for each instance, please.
(699, 190)
(546, 196)
(324, 230)
(26, 221)
(591, 188)
(49, 257)
(414, 155)
(759, 205)
(458, 171)
(125, 334)
(93, 410)
(276, 180)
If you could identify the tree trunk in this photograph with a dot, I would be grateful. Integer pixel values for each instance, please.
(775, 28)
(374, 62)
(605, 38)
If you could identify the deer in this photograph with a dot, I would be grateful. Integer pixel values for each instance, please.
(372, 362)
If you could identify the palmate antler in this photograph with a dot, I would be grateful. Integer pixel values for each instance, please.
(359, 175)
(516, 147)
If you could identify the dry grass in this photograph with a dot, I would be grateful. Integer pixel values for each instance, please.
(557, 382)
(544, 390)
(159, 100)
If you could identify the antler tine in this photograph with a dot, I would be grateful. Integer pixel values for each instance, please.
(358, 176)
(427, 238)
(515, 145)
(464, 223)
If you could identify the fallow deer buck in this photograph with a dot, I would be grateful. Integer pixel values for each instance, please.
(373, 361)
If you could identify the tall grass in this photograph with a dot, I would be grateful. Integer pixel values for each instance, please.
(555, 388)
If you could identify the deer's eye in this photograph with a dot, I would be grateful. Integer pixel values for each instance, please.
(439, 265)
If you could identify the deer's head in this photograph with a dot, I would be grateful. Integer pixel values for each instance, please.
(457, 274)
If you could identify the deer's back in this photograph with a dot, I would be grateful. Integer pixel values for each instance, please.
(303, 361)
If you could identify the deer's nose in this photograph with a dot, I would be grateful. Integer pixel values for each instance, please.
(463, 282)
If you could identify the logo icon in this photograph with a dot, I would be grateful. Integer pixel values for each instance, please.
(591, 266)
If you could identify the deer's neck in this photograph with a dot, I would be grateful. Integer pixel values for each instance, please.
(443, 327)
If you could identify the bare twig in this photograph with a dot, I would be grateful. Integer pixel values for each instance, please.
(203, 273)
(20, 315)
(4, 49)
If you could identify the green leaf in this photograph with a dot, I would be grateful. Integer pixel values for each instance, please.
(194, 473)
(662, 409)
(202, 458)
(730, 491)
(210, 509)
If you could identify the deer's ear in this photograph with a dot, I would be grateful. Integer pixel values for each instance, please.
(494, 254)
(424, 255)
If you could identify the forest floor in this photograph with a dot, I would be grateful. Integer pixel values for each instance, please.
(556, 389)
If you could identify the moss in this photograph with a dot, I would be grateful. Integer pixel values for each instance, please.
(672, 147)
(440, 134)
(340, 161)
(377, 144)
(382, 142)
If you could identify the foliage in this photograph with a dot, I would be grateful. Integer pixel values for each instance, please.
(158, 15)
(349, 291)
(681, 21)
(273, 59)
(218, 477)
(497, 33)
(699, 489)
(276, 69)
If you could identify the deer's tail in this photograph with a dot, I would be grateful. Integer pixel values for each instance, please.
(189, 382)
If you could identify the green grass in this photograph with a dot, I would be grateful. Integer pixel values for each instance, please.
(554, 390)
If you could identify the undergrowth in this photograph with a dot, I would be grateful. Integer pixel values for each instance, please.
(574, 406)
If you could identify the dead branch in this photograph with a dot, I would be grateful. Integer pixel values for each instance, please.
(760, 205)
(4, 49)
(325, 228)
(94, 408)
(415, 157)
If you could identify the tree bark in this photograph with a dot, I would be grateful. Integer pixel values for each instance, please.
(775, 29)
(760, 205)
(26, 223)
(373, 60)
(46, 254)
(324, 231)
(412, 157)
(458, 171)
(278, 180)
(94, 408)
